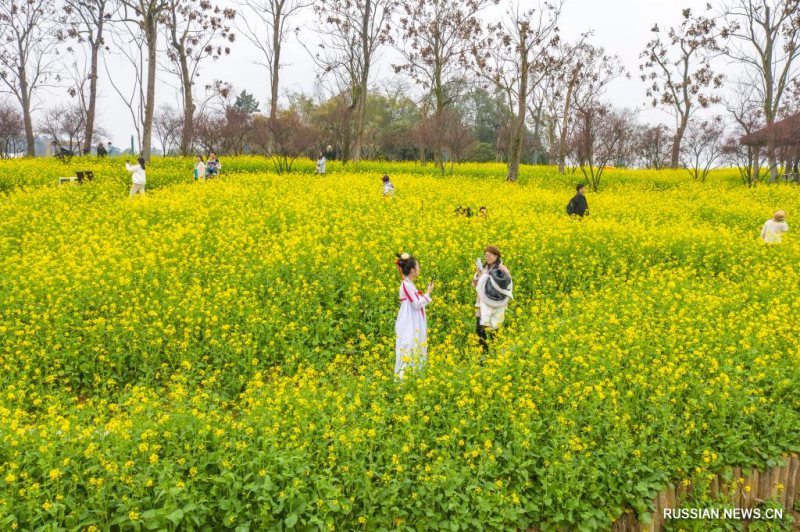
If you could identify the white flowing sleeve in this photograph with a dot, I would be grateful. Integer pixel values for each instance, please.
(415, 300)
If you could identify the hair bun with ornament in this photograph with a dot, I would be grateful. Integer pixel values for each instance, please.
(405, 263)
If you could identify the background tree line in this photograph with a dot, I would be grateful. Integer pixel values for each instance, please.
(481, 80)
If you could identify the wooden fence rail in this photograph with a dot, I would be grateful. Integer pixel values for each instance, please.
(781, 482)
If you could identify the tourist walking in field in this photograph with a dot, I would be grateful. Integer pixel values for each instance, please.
(773, 228)
(137, 176)
(578, 204)
(200, 169)
(492, 282)
(388, 187)
(463, 211)
(214, 166)
(411, 327)
(101, 150)
(321, 164)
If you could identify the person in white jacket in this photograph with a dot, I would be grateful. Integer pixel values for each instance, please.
(411, 327)
(490, 313)
(137, 176)
(200, 169)
(772, 229)
(388, 187)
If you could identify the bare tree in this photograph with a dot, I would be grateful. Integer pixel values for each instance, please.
(702, 146)
(331, 122)
(791, 104)
(538, 116)
(584, 71)
(598, 137)
(654, 146)
(86, 22)
(743, 104)
(392, 117)
(209, 131)
(28, 54)
(515, 57)
(78, 79)
(147, 15)
(436, 38)
(352, 31)
(272, 16)
(66, 124)
(283, 139)
(219, 95)
(226, 131)
(625, 153)
(677, 69)
(742, 157)
(129, 46)
(236, 130)
(546, 104)
(196, 30)
(169, 125)
(457, 141)
(766, 37)
(12, 130)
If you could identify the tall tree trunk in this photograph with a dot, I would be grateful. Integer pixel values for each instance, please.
(769, 97)
(562, 142)
(347, 137)
(276, 65)
(90, 111)
(536, 131)
(26, 111)
(438, 128)
(30, 141)
(515, 149)
(675, 158)
(188, 104)
(771, 159)
(363, 83)
(438, 89)
(151, 35)
(756, 166)
(358, 128)
(515, 146)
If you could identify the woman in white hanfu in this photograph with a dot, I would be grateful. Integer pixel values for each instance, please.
(411, 327)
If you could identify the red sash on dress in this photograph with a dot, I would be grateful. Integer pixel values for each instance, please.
(408, 297)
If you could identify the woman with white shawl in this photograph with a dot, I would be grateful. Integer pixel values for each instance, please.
(493, 285)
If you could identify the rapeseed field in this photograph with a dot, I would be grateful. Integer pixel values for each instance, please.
(219, 355)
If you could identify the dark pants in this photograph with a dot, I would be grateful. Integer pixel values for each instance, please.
(484, 334)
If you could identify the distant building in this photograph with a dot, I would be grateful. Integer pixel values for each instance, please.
(42, 146)
(786, 138)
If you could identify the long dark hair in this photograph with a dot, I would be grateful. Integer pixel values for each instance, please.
(140, 160)
(405, 265)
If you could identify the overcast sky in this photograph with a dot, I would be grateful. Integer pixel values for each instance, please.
(620, 26)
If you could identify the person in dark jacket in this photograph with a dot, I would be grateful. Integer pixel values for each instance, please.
(578, 205)
(101, 150)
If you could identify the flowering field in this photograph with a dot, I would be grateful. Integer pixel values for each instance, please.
(220, 355)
